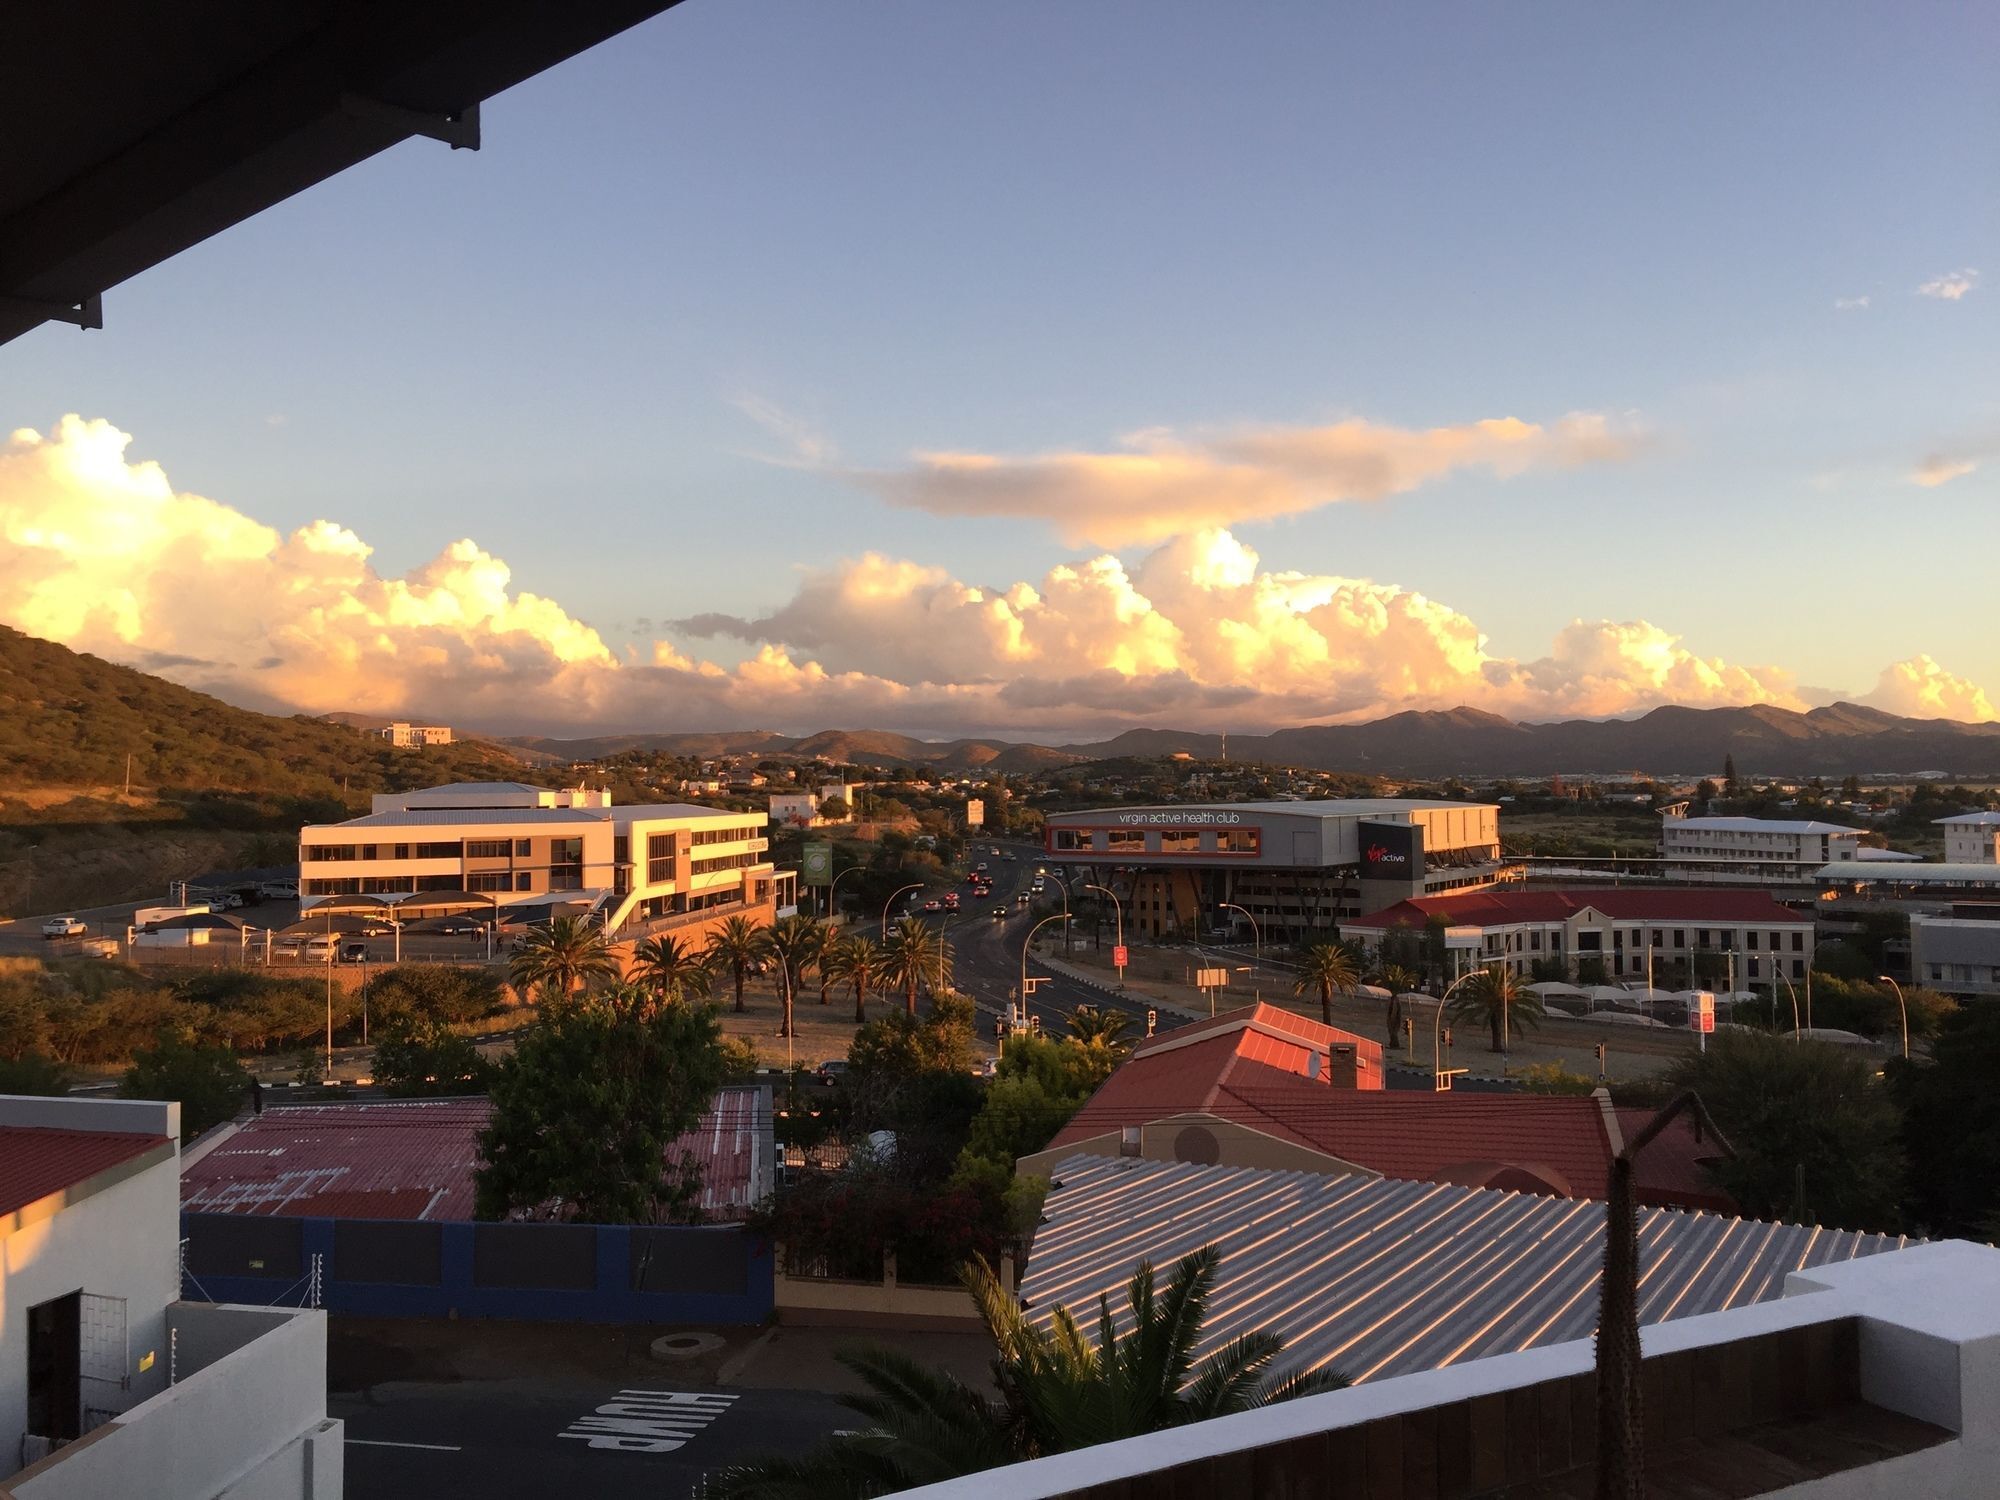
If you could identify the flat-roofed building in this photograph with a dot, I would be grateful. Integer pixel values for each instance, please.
(406, 736)
(1971, 838)
(1628, 931)
(1958, 954)
(510, 845)
(1753, 851)
(1296, 868)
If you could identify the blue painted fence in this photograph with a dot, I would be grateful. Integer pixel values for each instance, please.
(591, 1273)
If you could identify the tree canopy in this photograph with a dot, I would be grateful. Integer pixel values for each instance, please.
(208, 1083)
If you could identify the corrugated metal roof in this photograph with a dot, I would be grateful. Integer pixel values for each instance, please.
(36, 1160)
(414, 1160)
(1377, 1277)
(1759, 825)
(1664, 904)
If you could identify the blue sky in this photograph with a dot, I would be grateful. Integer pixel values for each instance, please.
(1035, 228)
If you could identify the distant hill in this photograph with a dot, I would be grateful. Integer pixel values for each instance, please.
(69, 720)
(855, 747)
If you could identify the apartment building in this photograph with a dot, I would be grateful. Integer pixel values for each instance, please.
(1971, 838)
(527, 847)
(1753, 851)
(1627, 932)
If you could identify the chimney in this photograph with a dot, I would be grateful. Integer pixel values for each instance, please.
(1341, 1065)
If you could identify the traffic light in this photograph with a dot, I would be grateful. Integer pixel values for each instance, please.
(1035, 1025)
(1600, 1059)
(1152, 1020)
(1447, 1039)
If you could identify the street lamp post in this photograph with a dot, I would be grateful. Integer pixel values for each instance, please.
(1901, 1007)
(1025, 943)
(1256, 946)
(834, 884)
(1067, 929)
(1437, 1020)
(1118, 908)
(917, 886)
(1778, 968)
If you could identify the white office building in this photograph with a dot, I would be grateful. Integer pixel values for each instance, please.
(1753, 851)
(109, 1383)
(407, 736)
(1957, 955)
(1971, 838)
(508, 845)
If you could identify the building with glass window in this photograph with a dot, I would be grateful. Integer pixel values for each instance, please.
(517, 848)
(1753, 851)
(1294, 869)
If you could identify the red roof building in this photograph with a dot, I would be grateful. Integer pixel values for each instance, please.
(1630, 931)
(1226, 1092)
(415, 1159)
(39, 1163)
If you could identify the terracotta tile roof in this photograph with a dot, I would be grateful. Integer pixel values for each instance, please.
(415, 1160)
(36, 1161)
(1670, 1168)
(1266, 1033)
(1668, 904)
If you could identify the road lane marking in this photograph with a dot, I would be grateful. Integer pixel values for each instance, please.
(355, 1442)
(637, 1421)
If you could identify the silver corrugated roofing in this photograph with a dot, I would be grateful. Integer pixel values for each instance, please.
(1377, 1277)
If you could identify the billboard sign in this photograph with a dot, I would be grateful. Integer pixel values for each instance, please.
(1210, 979)
(1119, 957)
(1391, 851)
(816, 865)
(975, 812)
(1464, 938)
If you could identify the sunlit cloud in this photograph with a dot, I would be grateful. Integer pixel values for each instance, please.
(1921, 689)
(1936, 469)
(1850, 304)
(1160, 484)
(103, 554)
(1953, 286)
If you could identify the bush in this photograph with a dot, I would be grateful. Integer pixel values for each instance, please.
(1553, 1078)
(421, 1056)
(208, 1083)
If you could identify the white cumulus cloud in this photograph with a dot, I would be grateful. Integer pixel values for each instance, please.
(104, 555)
(1936, 469)
(1921, 689)
(1161, 484)
(1952, 286)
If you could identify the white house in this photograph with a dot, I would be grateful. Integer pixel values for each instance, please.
(109, 1383)
(1971, 838)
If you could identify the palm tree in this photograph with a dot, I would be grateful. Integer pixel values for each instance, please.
(829, 939)
(738, 945)
(795, 943)
(916, 953)
(1058, 1391)
(1498, 998)
(559, 955)
(1328, 967)
(857, 961)
(676, 972)
(1398, 981)
(1101, 1027)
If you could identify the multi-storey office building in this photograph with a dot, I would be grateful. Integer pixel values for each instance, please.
(1958, 954)
(1753, 851)
(1295, 868)
(526, 846)
(1971, 838)
(1630, 932)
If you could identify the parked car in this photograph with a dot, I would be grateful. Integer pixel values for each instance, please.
(319, 950)
(833, 1069)
(354, 952)
(460, 927)
(64, 927)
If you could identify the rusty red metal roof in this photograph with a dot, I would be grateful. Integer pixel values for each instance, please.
(414, 1159)
(36, 1160)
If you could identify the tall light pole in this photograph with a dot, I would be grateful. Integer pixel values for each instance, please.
(1437, 1020)
(834, 884)
(1118, 909)
(1901, 1007)
(917, 886)
(1778, 968)
(1256, 947)
(1052, 917)
(1067, 929)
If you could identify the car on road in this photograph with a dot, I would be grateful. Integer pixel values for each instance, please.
(999, 913)
(64, 927)
(982, 864)
(1022, 899)
(933, 906)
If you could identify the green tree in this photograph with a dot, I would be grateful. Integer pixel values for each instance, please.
(32, 1073)
(419, 1055)
(1951, 1127)
(676, 972)
(1059, 1390)
(854, 960)
(1730, 785)
(558, 956)
(1101, 1028)
(1329, 969)
(588, 1106)
(738, 946)
(208, 1083)
(1498, 1000)
(449, 993)
(1815, 1136)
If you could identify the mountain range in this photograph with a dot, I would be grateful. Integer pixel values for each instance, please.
(1837, 740)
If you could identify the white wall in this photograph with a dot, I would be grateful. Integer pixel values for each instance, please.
(251, 1426)
(121, 1242)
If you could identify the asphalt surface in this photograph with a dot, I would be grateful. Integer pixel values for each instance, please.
(539, 1410)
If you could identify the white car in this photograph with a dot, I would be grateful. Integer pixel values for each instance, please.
(64, 927)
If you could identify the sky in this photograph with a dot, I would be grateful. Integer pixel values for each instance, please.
(1043, 369)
